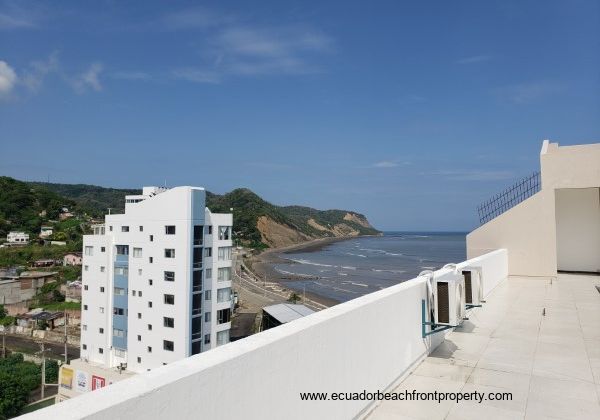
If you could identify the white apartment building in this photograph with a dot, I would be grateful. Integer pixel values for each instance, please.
(156, 281)
(17, 238)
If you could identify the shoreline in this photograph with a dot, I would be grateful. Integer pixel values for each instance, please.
(262, 265)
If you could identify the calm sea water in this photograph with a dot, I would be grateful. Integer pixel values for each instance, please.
(348, 269)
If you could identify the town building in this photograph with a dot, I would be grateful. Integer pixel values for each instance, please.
(46, 231)
(156, 281)
(282, 313)
(73, 258)
(16, 288)
(17, 238)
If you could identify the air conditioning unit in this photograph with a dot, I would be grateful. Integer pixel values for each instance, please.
(473, 285)
(449, 300)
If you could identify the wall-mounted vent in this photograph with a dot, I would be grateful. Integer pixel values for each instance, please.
(443, 308)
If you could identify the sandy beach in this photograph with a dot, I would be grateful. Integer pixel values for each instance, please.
(262, 264)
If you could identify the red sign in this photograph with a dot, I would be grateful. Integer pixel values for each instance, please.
(98, 382)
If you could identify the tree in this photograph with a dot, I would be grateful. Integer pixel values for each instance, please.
(294, 298)
(51, 371)
(2, 311)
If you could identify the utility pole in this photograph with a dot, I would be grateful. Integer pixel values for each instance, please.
(43, 370)
(65, 321)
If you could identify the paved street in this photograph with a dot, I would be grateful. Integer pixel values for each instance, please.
(28, 345)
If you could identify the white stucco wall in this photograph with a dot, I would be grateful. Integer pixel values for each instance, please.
(528, 230)
(578, 229)
(368, 343)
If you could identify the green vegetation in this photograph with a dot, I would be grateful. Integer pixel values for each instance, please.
(22, 206)
(17, 379)
(25, 255)
(5, 319)
(38, 405)
(61, 306)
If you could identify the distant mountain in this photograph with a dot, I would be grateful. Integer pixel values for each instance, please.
(257, 222)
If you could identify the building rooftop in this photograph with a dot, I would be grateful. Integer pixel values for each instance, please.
(538, 338)
(286, 312)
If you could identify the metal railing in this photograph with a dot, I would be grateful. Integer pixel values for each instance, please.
(509, 198)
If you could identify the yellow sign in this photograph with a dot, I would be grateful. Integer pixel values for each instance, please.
(66, 377)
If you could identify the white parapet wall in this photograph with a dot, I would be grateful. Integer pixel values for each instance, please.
(369, 343)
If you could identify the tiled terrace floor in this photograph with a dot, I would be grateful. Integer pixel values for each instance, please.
(550, 363)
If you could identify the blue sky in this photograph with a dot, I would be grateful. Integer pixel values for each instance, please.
(411, 112)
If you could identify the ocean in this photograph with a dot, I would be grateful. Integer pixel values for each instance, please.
(347, 269)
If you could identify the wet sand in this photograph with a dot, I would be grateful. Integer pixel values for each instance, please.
(262, 264)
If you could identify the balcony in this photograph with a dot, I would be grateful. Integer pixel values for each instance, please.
(548, 359)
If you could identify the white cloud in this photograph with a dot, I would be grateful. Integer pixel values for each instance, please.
(192, 19)
(8, 78)
(475, 59)
(386, 164)
(8, 22)
(131, 75)
(531, 92)
(475, 175)
(196, 75)
(89, 79)
(38, 70)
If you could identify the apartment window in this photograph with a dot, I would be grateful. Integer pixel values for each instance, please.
(149, 282)
(102, 249)
(122, 249)
(149, 349)
(208, 273)
(224, 233)
(86, 268)
(207, 339)
(102, 290)
(133, 292)
(85, 287)
(169, 253)
(119, 333)
(139, 338)
(101, 350)
(168, 345)
(207, 295)
(149, 304)
(101, 309)
(209, 230)
(119, 291)
(169, 299)
(198, 235)
(121, 271)
(89, 250)
(110, 228)
(119, 353)
(169, 322)
(139, 271)
(139, 360)
(169, 276)
(118, 311)
(224, 253)
(84, 327)
(140, 293)
(151, 260)
(139, 315)
(197, 304)
(223, 316)
(224, 295)
(197, 281)
(124, 228)
(196, 327)
(208, 252)
(196, 347)
(141, 228)
(151, 238)
(85, 307)
(101, 330)
(137, 252)
(222, 337)
(207, 317)
(197, 258)
(149, 327)
(84, 346)
(170, 230)
(102, 269)
(224, 274)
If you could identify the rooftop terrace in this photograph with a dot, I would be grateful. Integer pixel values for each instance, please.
(550, 363)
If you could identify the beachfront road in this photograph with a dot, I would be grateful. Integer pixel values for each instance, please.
(29, 346)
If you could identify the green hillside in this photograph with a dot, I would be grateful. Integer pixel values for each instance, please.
(22, 203)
